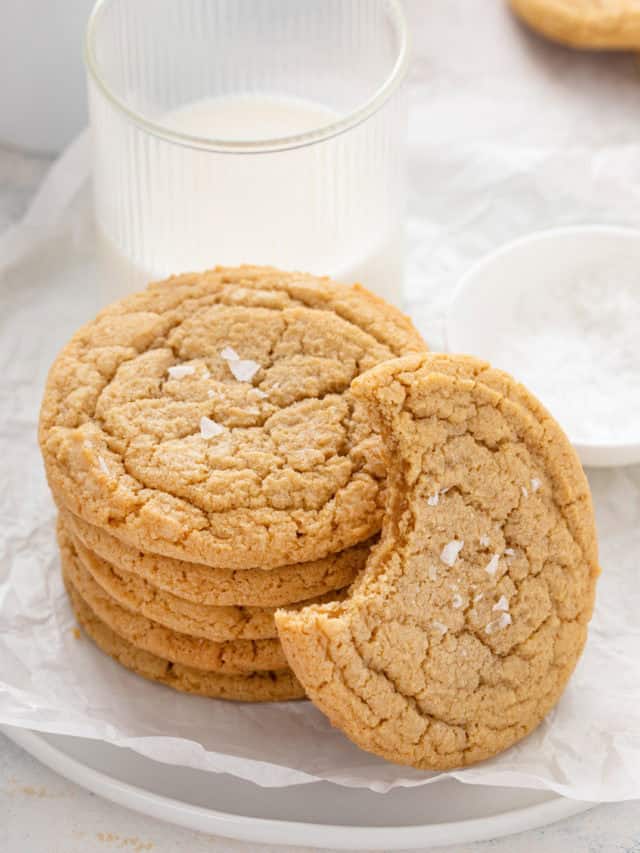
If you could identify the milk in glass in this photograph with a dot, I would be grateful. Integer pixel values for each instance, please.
(318, 208)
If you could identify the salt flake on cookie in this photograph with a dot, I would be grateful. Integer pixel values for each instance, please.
(492, 566)
(450, 552)
(179, 371)
(209, 428)
(244, 369)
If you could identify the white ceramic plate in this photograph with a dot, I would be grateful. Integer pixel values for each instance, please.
(487, 296)
(318, 815)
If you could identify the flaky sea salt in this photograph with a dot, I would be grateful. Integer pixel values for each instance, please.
(243, 369)
(535, 484)
(509, 552)
(440, 627)
(262, 395)
(457, 601)
(503, 620)
(501, 603)
(574, 344)
(449, 553)
(103, 466)
(434, 499)
(492, 566)
(179, 371)
(525, 491)
(485, 541)
(209, 428)
(229, 354)
(478, 597)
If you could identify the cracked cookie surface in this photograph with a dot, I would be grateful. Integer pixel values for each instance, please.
(210, 417)
(217, 586)
(463, 629)
(211, 622)
(277, 686)
(596, 24)
(235, 656)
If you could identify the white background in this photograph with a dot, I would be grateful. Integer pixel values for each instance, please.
(571, 119)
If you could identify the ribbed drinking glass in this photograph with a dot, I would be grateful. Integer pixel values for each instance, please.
(249, 131)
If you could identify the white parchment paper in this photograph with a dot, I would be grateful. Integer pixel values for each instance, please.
(507, 135)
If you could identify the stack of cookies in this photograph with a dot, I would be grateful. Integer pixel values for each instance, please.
(210, 465)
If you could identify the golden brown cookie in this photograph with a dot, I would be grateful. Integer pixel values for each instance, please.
(208, 586)
(209, 417)
(593, 24)
(211, 622)
(237, 656)
(249, 687)
(469, 618)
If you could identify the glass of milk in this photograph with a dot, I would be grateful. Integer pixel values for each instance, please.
(249, 131)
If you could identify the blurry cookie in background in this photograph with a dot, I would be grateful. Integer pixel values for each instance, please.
(587, 24)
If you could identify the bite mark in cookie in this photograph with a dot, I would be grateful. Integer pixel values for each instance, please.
(401, 671)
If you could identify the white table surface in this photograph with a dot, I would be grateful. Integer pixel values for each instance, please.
(40, 811)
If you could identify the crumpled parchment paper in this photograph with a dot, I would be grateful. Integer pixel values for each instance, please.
(507, 135)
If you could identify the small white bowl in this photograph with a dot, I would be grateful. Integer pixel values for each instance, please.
(483, 304)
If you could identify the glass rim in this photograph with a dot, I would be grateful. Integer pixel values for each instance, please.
(247, 146)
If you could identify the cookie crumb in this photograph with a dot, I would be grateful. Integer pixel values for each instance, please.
(131, 842)
(449, 553)
(209, 428)
(179, 371)
(76, 633)
(501, 603)
(492, 566)
(433, 573)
